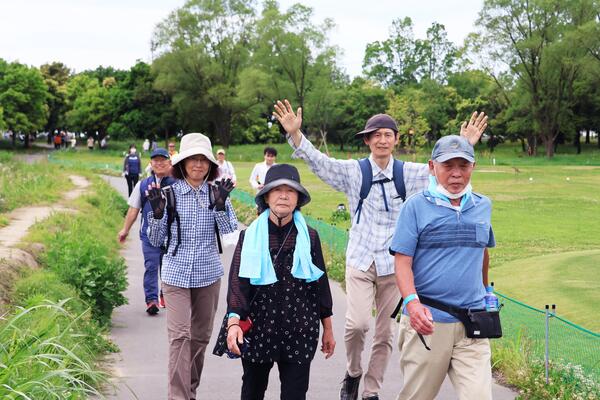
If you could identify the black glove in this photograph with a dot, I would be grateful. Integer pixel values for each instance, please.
(221, 191)
(157, 202)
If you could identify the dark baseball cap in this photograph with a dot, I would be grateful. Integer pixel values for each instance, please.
(452, 146)
(160, 152)
(378, 121)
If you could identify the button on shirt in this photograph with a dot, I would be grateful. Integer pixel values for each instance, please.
(369, 241)
(197, 262)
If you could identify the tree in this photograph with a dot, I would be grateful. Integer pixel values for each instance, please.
(538, 40)
(204, 47)
(90, 105)
(408, 109)
(56, 76)
(23, 97)
(401, 59)
(293, 50)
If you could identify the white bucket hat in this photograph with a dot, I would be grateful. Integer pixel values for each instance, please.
(193, 144)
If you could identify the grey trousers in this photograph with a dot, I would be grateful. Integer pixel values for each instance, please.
(190, 316)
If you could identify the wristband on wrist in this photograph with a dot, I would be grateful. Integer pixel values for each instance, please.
(229, 326)
(233, 315)
(410, 298)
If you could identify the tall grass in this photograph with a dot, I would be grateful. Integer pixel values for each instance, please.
(23, 184)
(43, 356)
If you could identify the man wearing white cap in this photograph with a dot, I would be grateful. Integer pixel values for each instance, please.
(191, 267)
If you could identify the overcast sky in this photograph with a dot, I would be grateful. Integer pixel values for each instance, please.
(86, 33)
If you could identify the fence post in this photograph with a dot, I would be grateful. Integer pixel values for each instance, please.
(546, 361)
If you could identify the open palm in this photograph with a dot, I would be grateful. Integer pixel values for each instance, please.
(473, 129)
(285, 115)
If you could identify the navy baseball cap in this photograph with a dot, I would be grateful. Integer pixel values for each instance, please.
(452, 146)
(160, 152)
(378, 121)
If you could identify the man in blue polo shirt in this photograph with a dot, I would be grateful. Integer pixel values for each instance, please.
(439, 247)
(161, 169)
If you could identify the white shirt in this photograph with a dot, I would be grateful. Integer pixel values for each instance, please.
(369, 241)
(257, 177)
(226, 171)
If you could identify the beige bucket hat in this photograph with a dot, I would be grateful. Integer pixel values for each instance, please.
(193, 144)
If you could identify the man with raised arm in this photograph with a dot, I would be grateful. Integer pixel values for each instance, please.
(376, 188)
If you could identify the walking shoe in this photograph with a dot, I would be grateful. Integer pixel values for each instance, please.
(161, 301)
(349, 389)
(152, 308)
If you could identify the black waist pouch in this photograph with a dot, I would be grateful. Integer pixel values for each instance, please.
(479, 324)
(482, 324)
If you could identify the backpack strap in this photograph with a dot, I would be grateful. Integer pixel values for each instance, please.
(365, 187)
(399, 179)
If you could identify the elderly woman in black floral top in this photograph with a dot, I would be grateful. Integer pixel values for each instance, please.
(278, 281)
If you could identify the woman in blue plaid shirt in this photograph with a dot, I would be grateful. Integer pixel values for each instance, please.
(191, 268)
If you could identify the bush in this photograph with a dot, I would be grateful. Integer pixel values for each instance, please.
(81, 260)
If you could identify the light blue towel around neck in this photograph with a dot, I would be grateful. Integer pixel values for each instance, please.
(256, 263)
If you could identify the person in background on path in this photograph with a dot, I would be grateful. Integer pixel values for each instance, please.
(290, 288)
(225, 167)
(172, 150)
(73, 140)
(161, 168)
(369, 265)
(146, 145)
(104, 143)
(90, 143)
(57, 140)
(132, 167)
(191, 267)
(257, 177)
(433, 261)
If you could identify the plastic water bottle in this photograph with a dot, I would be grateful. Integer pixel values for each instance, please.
(491, 300)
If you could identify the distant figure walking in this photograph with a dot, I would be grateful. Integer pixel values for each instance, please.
(257, 176)
(132, 167)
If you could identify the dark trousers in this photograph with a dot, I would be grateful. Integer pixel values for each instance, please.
(131, 182)
(294, 380)
(152, 256)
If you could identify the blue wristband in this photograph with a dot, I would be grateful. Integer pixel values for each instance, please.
(410, 298)
(233, 315)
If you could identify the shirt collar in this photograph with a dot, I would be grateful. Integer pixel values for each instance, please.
(388, 171)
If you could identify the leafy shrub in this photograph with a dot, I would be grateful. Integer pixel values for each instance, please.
(339, 216)
(81, 260)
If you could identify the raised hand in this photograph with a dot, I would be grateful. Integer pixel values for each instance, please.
(221, 191)
(473, 130)
(289, 121)
(157, 200)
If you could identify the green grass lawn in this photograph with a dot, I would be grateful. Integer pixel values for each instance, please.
(569, 280)
(541, 208)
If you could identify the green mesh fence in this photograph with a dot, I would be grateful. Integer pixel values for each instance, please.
(568, 342)
(331, 236)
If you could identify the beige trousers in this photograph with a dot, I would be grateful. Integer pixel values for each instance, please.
(466, 361)
(190, 316)
(363, 290)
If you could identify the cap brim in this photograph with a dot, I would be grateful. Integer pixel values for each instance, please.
(302, 200)
(449, 156)
(364, 132)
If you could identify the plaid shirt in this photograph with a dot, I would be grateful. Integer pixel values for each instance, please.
(369, 240)
(197, 262)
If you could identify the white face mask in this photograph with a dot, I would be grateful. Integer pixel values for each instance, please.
(442, 190)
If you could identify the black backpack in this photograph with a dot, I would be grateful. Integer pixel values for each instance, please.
(367, 182)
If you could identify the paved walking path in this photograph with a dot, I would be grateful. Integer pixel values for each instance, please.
(141, 366)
